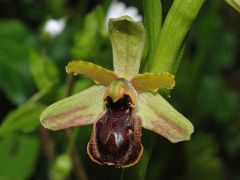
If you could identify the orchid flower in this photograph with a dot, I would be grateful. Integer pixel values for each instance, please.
(121, 103)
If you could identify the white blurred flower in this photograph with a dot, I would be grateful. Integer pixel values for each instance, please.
(54, 27)
(118, 9)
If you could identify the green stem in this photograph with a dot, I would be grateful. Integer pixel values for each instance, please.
(78, 166)
(149, 143)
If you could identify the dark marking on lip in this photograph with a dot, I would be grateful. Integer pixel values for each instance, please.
(116, 136)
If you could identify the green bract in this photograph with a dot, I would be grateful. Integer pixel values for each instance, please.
(86, 107)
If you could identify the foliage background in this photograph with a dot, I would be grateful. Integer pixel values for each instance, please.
(32, 76)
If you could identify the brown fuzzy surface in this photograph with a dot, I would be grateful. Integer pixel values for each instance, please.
(125, 158)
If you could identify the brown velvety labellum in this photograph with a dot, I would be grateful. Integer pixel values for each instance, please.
(116, 136)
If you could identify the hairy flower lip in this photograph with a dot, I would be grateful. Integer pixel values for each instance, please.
(125, 154)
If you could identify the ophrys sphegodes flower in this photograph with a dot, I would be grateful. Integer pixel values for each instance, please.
(121, 103)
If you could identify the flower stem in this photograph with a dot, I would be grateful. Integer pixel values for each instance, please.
(48, 144)
(78, 166)
(149, 142)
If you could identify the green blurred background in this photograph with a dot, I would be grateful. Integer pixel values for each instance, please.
(32, 76)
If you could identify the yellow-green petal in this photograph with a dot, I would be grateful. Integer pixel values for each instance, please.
(153, 81)
(159, 116)
(127, 38)
(80, 109)
(93, 71)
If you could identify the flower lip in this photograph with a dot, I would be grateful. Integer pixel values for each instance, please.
(116, 137)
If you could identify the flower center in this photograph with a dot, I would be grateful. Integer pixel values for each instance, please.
(121, 108)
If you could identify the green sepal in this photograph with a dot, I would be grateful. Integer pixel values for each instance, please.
(80, 109)
(127, 38)
(159, 116)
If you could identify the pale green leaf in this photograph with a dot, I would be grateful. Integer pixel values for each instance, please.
(177, 24)
(43, 70)
(127, 38)
(24, 118)
(159, 116)
(153, 23)
(80, 109)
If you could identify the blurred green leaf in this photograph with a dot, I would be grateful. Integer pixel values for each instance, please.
(231, 138)
(25, 118)
(56, 7)
(202, 159)
(18, 156)
(81, 83)
(216, 100)
(61, 167)
(15, 79)
(225, 50)
(142, 167)
(86, 42)
(43, 70)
